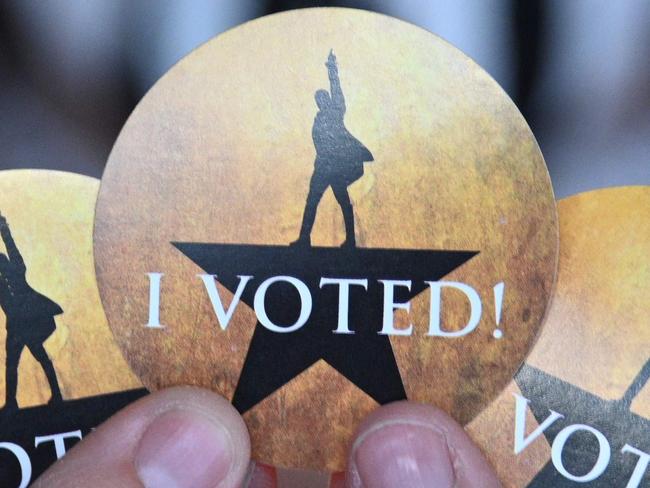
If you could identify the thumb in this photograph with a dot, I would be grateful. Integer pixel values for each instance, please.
(175, 438)
(419, 446)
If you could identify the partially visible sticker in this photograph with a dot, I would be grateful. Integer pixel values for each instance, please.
(62, 373)
(319, 212)
(578, 412)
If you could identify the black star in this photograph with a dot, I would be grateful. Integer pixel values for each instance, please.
(611, 417)
(22, 426)
(365, 357)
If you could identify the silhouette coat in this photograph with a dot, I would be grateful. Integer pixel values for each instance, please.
(30, 315)
(29, 318)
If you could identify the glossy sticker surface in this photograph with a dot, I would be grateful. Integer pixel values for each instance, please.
(319, 212)
(591, 364)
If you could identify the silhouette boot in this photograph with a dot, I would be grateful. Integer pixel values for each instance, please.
(637, 385)
(10, 404)
(11, 378)
(308, 219)
(54, 384)
(10, 399)
(348, 218)
(46, 363)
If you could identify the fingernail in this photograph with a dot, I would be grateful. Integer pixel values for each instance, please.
(404, 455)
(182, 449)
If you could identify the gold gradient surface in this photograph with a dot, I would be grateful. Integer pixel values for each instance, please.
(50, 215)
(596, 335)
(220, 150)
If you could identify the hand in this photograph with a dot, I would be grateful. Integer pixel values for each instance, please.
(188, 437)
(331, 60)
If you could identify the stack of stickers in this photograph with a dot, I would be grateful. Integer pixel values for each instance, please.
(315, 214)
(63, 373)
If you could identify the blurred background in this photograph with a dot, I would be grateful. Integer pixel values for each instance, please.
(579, 70)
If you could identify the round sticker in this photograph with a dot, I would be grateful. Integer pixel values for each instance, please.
(62, 373)
(580, 406)
(319, 212)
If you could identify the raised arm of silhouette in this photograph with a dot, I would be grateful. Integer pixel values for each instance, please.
(12, 250)
(637, 385)
(338, 100)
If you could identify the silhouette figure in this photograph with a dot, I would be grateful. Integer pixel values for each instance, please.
(339, 157)
(30, 318)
